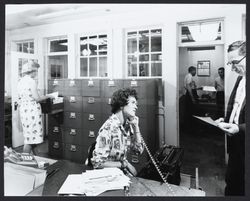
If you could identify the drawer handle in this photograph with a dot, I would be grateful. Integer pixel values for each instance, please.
(91, 117)
(111, 83)
(91, 134)
(135, 159)
(56, 145)
(56, 129)
(133, 83)
(73, 148)
(72, 132)
(72, 99)
(91, 100)
(72, 115)
(72, 83)
(109, 101)
(90, 83)
(55, 83)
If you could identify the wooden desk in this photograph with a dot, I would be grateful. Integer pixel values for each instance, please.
(139, 186)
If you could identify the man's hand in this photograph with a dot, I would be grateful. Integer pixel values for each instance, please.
(219, 120)
(229, 128)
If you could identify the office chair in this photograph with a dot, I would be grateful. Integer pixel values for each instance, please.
(90, 154)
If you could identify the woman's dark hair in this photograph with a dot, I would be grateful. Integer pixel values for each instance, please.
(120, 98)
(241, 45)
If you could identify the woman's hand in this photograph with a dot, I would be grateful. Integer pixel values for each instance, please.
(128, 166)
(134, 122)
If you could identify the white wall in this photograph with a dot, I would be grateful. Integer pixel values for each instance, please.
(165, 15)
(190, 58)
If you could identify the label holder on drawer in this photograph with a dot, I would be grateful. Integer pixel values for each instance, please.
(91, 100)
(56, 145)
(72, 99)
(56, 129)
(72, 83)
(92, 134)
(111, 83)
(90, 83)
(73, 148)
(72, 131)
(133, 83)
(72, 115)
(91, 117)
(55, 83)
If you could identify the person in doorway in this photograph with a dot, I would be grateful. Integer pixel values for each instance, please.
(29, 107)
(191, 96)
(234, 123)
(119, 133)
(220, 97)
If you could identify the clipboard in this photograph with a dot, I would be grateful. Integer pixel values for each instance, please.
(208, 120)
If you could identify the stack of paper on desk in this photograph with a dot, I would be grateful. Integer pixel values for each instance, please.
(209, 88)
(95, 182)
(20, 180)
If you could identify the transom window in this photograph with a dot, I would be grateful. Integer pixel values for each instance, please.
(93, 56)
(25, 47)
(144, 53)
(58, 58)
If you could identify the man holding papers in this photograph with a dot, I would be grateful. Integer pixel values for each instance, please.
(234, 122)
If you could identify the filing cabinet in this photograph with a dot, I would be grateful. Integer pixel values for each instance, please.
(72, 87)
(75, 152)
(91, 88)
(73, 119)
(56, 85)
(73, 135)
(73, 103)
(87, 105)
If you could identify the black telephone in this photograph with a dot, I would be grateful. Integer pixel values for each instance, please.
(19, 158)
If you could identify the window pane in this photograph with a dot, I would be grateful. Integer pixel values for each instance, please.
(93, 67)
(202, 31)
(132, 45)
(31, 50)
(156, 69)
(156, 57)
(58, 66)
(143, 70)
(83, 67)
(19, 47)
(93, 42)
(156, 40)
(144, 57)
(103, 45)
(132, 70)
(103, 67)
(25, 47)
(143, 41)
(84, 46)
(59, 45)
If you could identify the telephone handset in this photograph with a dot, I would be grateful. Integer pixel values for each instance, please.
(19, 158)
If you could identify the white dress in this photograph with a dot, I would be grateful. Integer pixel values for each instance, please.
(30, 111)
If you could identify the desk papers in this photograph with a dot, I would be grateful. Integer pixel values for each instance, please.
(20, 180)
(95, 182)
(209, 88)
(208, 120)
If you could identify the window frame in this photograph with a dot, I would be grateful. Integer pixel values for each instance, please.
(200, 43)
(25, 41)
(138, 29)
(78, 48)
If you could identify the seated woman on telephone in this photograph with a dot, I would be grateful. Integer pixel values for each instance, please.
(119, 133)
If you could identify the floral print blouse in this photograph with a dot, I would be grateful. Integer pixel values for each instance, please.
(113, 142)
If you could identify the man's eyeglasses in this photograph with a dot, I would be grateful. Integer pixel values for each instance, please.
(234, 62)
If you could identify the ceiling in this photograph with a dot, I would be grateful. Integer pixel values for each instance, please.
(26, 15)
(21, 16)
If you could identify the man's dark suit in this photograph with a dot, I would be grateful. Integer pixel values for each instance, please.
(235, 181)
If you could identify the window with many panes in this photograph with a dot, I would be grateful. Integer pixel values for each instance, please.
(93, 55)
(25, 47)
(58, 58)
(144, 53)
